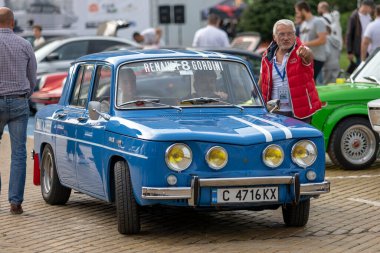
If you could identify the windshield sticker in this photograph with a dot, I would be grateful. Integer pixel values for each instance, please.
(164, 66)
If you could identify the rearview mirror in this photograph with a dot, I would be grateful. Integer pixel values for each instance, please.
(52, 57)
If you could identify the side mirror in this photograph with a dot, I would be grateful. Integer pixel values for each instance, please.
(52, 57)
(94, 110)
(273, 105)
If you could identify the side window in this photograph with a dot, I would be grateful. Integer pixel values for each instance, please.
(100, 45)
(82, 84)
(102, 87)
(72, 50)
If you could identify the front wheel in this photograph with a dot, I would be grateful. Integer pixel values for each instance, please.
(353, 144)
(296, 215)
(53, 192)
(128, 219)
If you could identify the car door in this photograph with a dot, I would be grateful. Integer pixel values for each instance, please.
(90, 135)
(67, 120)
(60, 58)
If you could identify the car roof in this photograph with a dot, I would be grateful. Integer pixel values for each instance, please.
(118, 57)
(78, 38)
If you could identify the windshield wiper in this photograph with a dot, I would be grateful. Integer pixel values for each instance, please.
(207, 100)
(149, 101)
(372, 78)
(200, 100)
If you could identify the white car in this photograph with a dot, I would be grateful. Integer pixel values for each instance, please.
(374, 114)
(57, 54)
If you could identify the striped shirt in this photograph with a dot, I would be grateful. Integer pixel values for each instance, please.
(18, 64)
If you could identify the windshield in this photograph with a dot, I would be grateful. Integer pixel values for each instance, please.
(185, 83)
(371, 69)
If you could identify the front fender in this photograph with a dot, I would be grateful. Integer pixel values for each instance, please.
(338, 114)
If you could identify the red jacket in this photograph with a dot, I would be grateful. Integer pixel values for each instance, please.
(303, 94)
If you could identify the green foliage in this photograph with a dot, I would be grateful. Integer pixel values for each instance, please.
(261, 15)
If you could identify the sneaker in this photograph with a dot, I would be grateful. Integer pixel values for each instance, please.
(16, 209)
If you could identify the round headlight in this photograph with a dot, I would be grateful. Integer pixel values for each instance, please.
(217, 157)
(304, 153)
(178, 157)
(273, 156)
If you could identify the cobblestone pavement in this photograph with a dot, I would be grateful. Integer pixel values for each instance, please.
(345, 220)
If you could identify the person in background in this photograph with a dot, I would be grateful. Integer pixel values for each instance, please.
(371, 38)
(211, 35)
(332, 18)
(357, 24)
(287, 74)
(313, 35)
(18, 69)
(38, 38)
(149, 38)
(331, 67)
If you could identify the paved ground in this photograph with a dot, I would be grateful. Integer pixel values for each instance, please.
(346, 220)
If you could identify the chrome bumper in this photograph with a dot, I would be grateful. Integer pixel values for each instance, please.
(192, 193)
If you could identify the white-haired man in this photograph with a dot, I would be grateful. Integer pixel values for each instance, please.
(287, 73)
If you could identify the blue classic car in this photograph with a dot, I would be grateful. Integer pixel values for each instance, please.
(177, 128)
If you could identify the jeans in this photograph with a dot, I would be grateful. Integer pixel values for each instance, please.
(14, 112)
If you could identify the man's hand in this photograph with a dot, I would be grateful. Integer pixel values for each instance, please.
(305, 54)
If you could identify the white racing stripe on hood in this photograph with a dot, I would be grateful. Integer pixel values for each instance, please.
(267, 134)
(286, 130)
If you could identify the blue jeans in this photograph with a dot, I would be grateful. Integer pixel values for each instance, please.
(14, 112)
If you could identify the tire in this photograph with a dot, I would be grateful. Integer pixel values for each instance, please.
(296, 215)
(353, 144)
(128, 219)
(53, 192)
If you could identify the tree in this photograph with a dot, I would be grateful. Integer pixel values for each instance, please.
(260, 16)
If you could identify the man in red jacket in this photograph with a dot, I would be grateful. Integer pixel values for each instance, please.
(287, 74)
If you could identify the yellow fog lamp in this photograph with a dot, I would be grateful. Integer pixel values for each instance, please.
(273, 156)
(217, 157)
(178, 157)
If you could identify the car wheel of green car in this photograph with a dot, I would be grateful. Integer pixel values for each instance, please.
(53, 192)
(128, 219)
(296, 215)
(353, 144)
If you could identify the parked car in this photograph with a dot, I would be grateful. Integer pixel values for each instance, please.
(49, 88)
(374, 114)
(349, 139)
(57, 54)
(47, 15)
(135, 128)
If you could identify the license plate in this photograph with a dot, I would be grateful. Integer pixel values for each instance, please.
(245, 195)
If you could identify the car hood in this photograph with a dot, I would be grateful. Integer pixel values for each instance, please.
(242, 129)
(348, 91)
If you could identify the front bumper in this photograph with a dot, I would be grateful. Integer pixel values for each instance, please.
(192, 193)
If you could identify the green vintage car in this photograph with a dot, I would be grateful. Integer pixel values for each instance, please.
(350, 140)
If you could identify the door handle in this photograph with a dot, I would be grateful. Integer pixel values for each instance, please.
(82, 118)
(60, 115)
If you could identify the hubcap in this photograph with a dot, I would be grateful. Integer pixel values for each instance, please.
(358, 144)
(47, 172)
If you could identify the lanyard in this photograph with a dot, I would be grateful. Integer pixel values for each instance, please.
(278, 71)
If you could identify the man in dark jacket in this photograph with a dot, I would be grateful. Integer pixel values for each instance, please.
(357, 23)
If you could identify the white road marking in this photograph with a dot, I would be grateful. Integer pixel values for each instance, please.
(352, 177)
(369, 202)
